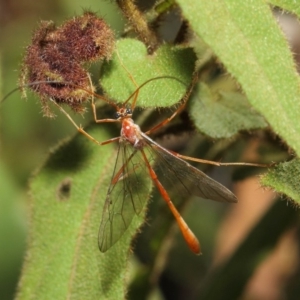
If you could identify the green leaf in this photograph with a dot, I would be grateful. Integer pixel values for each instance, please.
(12, 232)
(284, 178)
(63, 260)
(289, 5)
(221, 115)
(248, 41)
(134, 61)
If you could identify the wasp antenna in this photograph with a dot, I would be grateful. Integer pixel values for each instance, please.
(135, 93)
(127, 71)
(9, 94)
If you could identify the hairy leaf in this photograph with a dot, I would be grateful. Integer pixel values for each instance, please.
(63, 260)
(131, 66)
(284, 178)
(221, 115)
(248, 41)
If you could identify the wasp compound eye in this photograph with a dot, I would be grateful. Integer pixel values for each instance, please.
(128, 111)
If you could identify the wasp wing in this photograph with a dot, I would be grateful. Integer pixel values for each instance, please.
(128, 191)
(131, 183)
(185, 178)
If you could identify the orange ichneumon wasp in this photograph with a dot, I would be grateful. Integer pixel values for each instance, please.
(139, 156)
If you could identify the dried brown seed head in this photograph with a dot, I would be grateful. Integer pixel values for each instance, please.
(57, 55)
(87, 38)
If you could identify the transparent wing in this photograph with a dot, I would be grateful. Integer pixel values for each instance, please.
(131, 184)
(128, 191)
(183, 177)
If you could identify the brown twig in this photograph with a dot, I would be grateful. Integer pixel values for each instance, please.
(139, 24)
